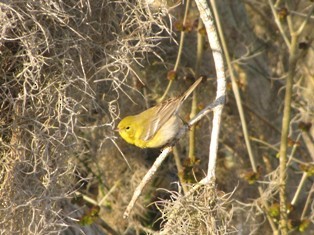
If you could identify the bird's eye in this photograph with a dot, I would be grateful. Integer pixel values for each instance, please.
(127, 128)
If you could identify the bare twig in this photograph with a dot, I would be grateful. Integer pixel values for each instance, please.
(146, 179)
(206, 110)
(199, 56)
(181, 43)
(284, 135)
(308, 202)
(87, 198)
(179, 168)
(308, 143)
(294, 149)
(277, 20)
(112, 189)
(297, 193)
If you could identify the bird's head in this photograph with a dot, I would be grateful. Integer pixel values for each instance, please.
(127, 128)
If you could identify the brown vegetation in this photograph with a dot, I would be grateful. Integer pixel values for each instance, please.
(70, 70)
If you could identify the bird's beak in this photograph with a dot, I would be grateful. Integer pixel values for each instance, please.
(116, 129)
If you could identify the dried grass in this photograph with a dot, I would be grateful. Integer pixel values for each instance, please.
(206, 211)
(61, 62)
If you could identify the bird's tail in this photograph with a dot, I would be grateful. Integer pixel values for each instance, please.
(191, 89)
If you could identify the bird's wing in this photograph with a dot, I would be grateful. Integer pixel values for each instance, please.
(164, 111)
(162, 114)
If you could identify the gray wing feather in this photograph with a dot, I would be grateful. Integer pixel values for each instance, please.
(164, 112)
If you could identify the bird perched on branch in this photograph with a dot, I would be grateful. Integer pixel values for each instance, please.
(156, 126)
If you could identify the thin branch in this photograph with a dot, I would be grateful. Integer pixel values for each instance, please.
(279, 25)
(308, 143)
(308, 202)
(112, 189)
(86, 198)
(206, 110)
(182, 36)
(297, 193)
(180, 169)
(278, 2)
(285, 133)
(199, 56)
(264, 143)
(149, 175)
(294, 149)
(302, 26)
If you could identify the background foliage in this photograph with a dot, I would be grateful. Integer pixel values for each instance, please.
(68, 72)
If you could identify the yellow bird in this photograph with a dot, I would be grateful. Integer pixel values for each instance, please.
(156, 126)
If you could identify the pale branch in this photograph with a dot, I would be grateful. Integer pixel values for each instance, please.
(146, 179)
(208, 20)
